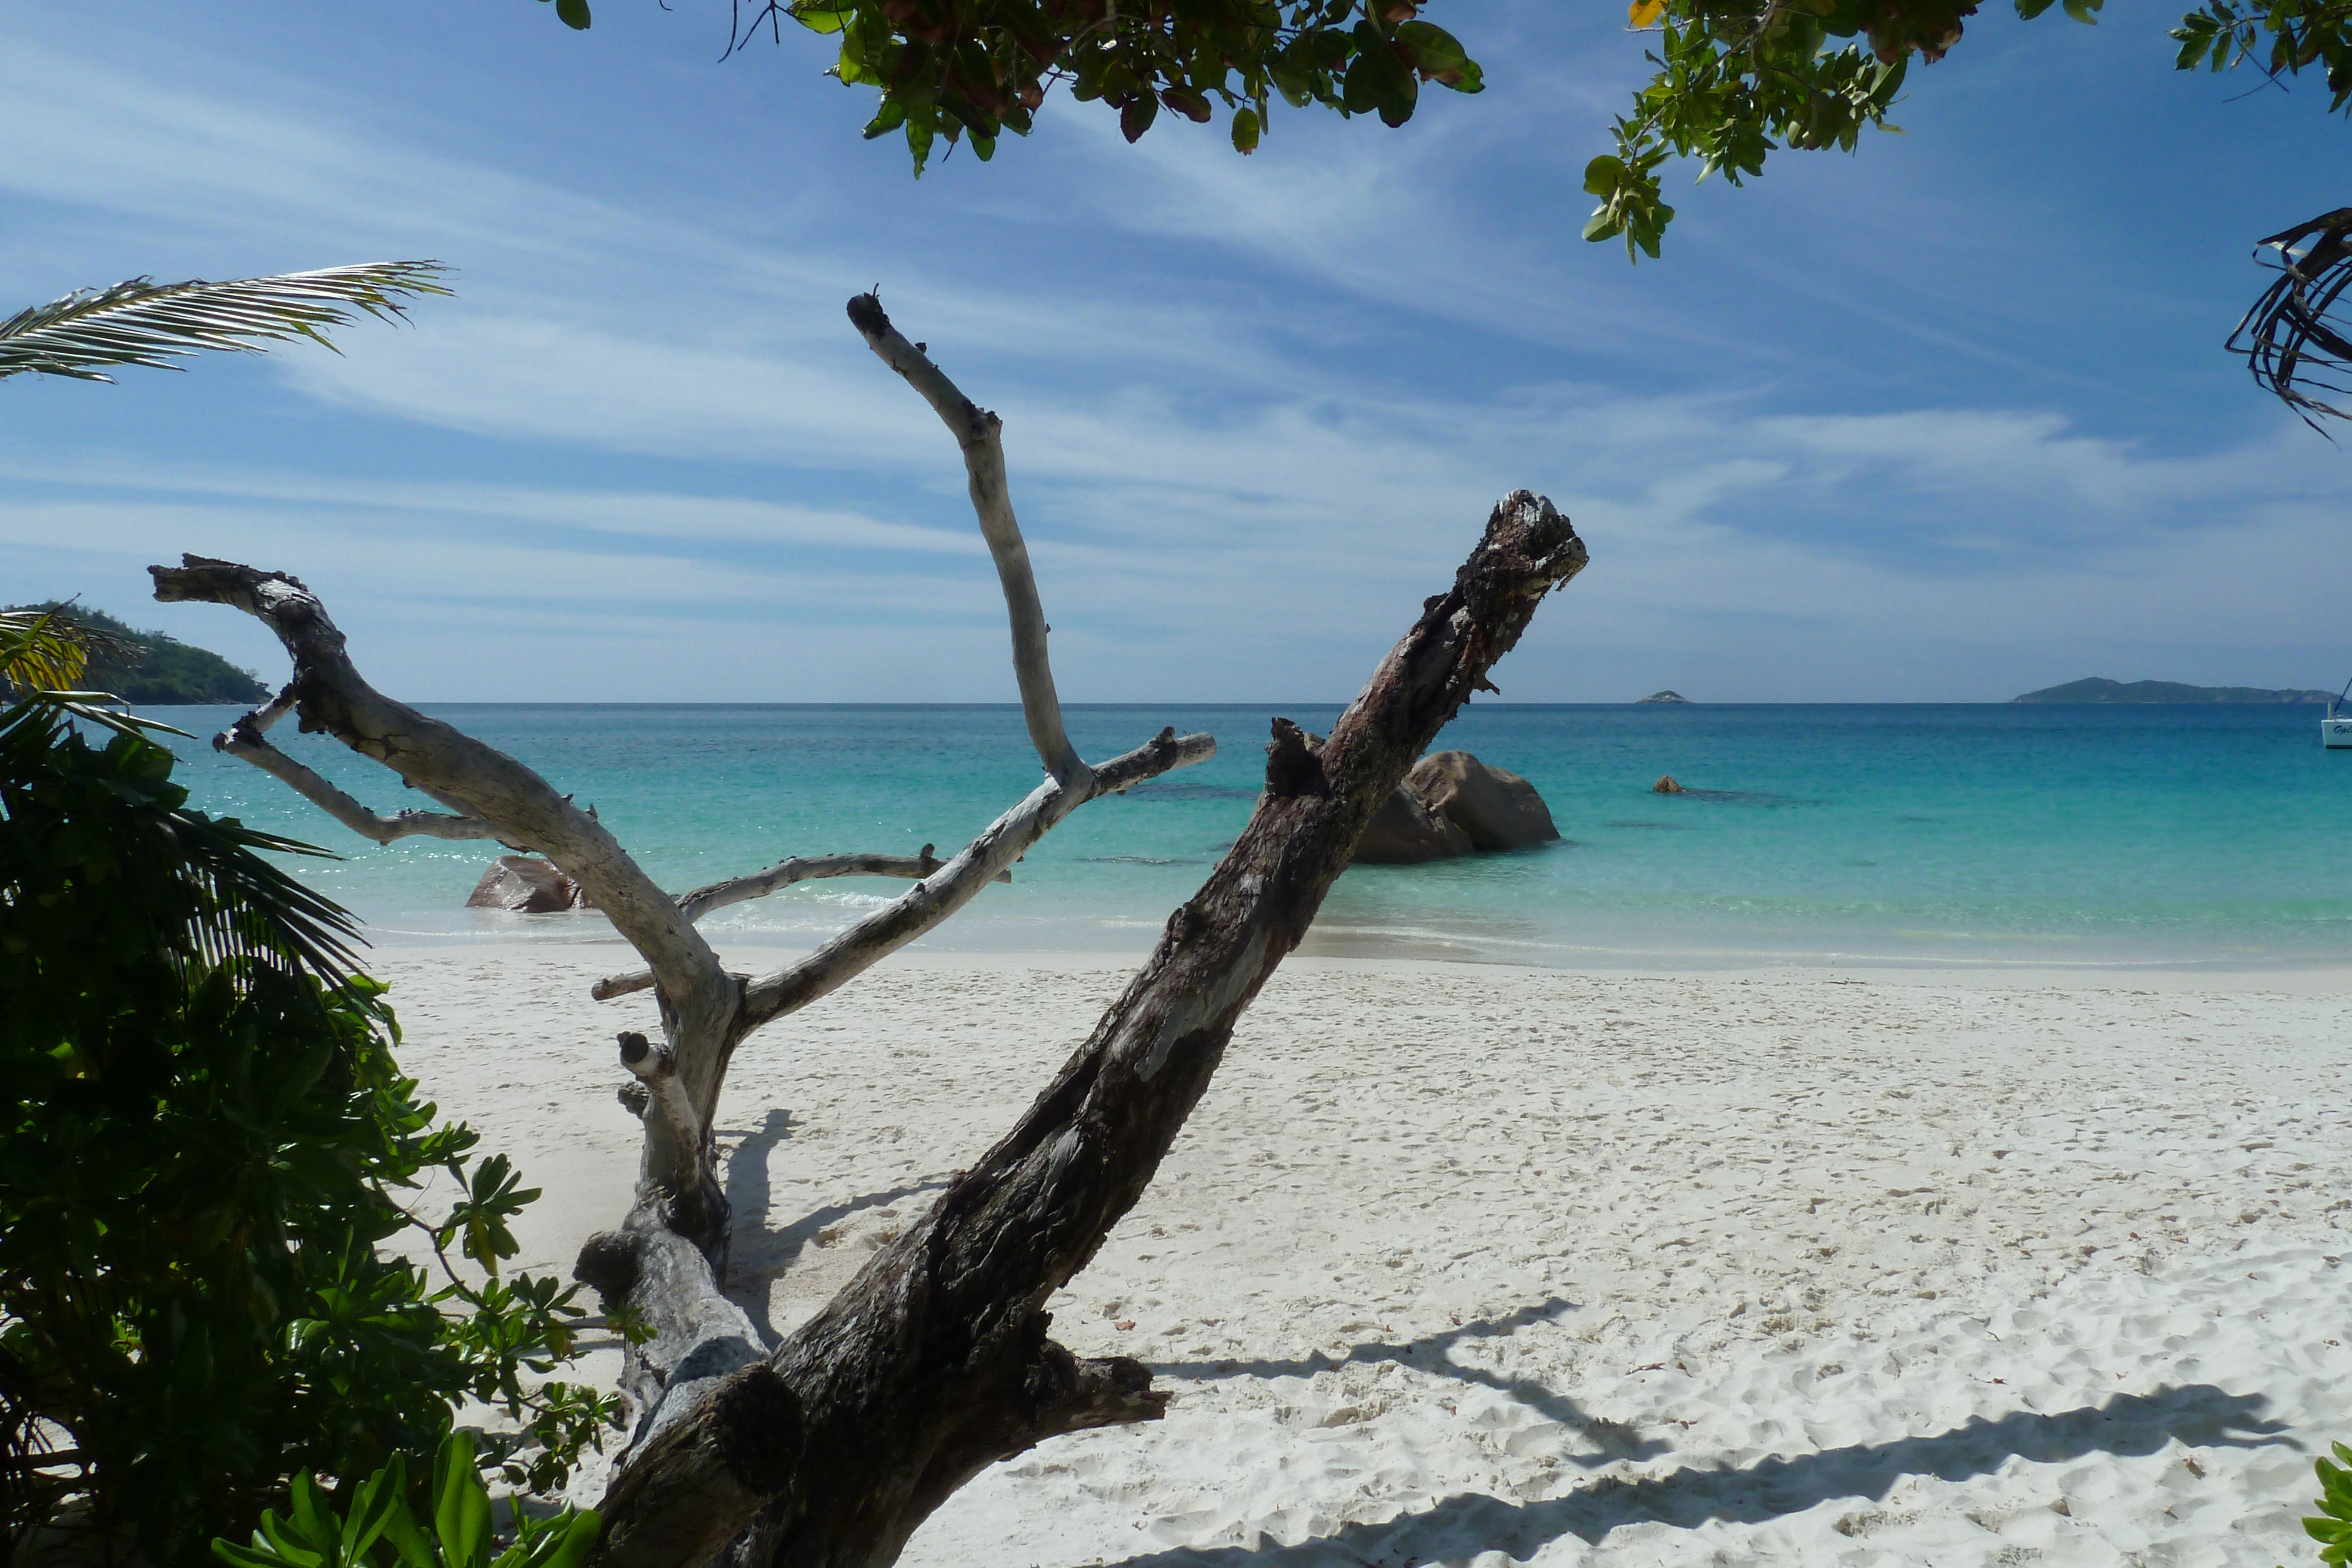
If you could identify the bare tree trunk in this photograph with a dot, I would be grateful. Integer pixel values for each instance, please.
(934, 1362)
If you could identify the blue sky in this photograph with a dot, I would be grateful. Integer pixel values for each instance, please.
(1945, 421)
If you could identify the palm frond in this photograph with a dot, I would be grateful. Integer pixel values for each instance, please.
(39, 650)
(144, 323)
(2295, 340)
(207, 898)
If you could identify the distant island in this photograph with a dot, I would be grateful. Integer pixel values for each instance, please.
(165, 671)
(1666, 697)
(2099, 690)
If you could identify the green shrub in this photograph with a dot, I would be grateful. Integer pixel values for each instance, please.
(203, 1136)
(2333, 1528)
(381, 1530)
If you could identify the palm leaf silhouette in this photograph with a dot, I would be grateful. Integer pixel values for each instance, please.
(144, 323)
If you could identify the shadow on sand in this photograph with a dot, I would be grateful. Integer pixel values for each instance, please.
(756, 1255)
(1432, 1355)
(1467, 1524)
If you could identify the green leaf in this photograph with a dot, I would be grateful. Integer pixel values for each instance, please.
(1433, 48)
(573, 14)
(822, 19)
(1378, 80)
(408, 1540)
(1245, 130)
(1135, 117)
(461, 1505)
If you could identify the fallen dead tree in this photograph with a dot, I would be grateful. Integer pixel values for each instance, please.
(934, 1362)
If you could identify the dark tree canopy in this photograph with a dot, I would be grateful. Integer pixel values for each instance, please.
(1739, 79)
(950, 69)
(1735, 80)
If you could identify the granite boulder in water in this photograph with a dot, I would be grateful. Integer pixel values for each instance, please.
(1453, 804)
(1498, 811)
(526, 884)
(1405, 832)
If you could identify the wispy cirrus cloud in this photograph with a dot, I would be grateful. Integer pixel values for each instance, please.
(1256, 409)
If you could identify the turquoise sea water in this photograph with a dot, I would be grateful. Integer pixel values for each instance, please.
(1939, 835)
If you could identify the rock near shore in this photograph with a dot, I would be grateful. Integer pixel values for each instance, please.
(1453, 804)
(526, 884)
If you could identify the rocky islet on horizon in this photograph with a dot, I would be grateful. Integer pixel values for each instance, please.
(2099, 689)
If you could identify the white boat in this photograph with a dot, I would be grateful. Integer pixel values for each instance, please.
(2336, 729)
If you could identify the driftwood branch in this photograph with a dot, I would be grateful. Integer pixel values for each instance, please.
(700, 1000)
(980, 434)
(782, 874)
(809, 868)
(245, 740)
(933, 899)
(656, 1066)
(933, 1363)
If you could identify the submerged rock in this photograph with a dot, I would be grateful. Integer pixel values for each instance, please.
(526, 884)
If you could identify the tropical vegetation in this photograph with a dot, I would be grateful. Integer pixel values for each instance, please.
(151, 668)
(207, 1151)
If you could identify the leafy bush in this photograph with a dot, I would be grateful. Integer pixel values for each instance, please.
(2333, 1528)
(381, 1528)
(201, 1139)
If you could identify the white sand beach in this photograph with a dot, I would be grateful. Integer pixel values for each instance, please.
(1463, 1264)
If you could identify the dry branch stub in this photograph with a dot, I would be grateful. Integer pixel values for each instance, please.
(934, 1363)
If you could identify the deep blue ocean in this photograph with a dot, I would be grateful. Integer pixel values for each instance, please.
(1816, 834)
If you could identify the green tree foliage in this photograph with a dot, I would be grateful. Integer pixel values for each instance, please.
(205, 1145)
(150, 668)
(1735, 80)
(944, 70)
(2281, 38)
(381, 1528)
(1739, 79)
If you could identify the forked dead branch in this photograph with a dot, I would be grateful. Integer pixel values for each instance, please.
(833, 1446)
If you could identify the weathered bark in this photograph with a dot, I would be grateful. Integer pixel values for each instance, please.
(245, 739)
(933, 1363)
(792, 869)
(946, 887)
(980, 433)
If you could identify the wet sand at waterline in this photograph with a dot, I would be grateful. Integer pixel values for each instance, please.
(1468, 1264)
